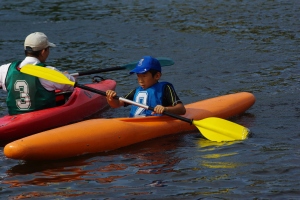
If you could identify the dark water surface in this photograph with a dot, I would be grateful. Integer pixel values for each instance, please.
(219, 47)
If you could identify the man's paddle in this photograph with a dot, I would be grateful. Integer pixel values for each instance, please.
(212, 128)
(162, 60)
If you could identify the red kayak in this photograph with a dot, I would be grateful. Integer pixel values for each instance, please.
(80, 105)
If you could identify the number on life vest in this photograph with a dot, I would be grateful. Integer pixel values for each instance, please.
(24, 102)
(141, 98)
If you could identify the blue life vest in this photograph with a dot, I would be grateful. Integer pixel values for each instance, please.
(152, 96)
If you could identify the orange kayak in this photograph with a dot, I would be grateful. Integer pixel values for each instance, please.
(100, 135)
(80, 105)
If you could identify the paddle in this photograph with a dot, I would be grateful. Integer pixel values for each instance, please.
(162, 60)
(212, 128)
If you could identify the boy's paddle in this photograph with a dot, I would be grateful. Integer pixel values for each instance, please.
(162, 60)
(212, 128)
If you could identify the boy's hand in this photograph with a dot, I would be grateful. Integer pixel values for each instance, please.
(110, 95)
(159, 109)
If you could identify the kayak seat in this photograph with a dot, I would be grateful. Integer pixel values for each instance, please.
(61, 97)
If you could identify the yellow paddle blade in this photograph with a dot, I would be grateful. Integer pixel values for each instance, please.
(217, 129)
(46, 73)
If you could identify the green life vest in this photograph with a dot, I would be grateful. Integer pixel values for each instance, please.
(25, 92)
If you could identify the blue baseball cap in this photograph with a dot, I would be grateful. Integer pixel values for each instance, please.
(145, 64)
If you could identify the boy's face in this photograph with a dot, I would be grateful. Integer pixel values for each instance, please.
(146, 80)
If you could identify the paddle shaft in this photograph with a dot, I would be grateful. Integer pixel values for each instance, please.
(97, 71)
(133, 103)
(163, 62)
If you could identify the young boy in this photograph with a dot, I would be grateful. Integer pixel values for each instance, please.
(160, 95)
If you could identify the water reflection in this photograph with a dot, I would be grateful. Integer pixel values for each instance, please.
(213, 160)
(150, 157)
(46, 173)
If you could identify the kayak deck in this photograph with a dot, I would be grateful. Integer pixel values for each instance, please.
(99, 135)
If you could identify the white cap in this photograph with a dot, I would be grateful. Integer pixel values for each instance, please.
(37, 41)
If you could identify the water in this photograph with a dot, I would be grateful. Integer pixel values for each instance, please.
(219, 47)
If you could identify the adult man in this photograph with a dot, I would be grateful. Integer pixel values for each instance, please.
(28, 93)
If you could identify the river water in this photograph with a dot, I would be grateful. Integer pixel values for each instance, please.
(219, 47)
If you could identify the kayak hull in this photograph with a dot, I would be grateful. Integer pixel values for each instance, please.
(80, 105)
(100, 135)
